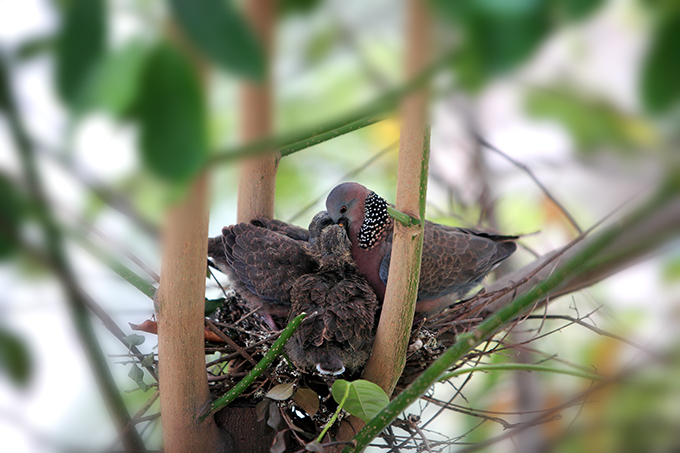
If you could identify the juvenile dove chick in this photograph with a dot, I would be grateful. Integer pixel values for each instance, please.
(285, 276)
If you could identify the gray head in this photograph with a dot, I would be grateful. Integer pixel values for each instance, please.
(328, 239)
(320, 221)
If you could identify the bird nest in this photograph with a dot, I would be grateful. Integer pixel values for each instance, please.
(289, 399)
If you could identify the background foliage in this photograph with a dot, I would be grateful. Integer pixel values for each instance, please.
(97, 92)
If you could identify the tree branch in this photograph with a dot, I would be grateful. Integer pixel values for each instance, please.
(75, 296)
(665, 205)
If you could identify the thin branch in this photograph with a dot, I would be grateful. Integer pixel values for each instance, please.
(345, 177)
(526, 169)
(362, 117)
(239, 388)
(126, 273)
(520, 367)
(597, 330)
(467, 341)
(77, 299)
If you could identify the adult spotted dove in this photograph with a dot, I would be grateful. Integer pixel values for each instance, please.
(454, 260)
(273, 267)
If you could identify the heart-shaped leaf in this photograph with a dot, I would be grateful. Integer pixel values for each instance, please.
(80, 44)
(364, 400)
(659, 86)
(172, 114)
(14, 358)
(114, 82)
(222, 34)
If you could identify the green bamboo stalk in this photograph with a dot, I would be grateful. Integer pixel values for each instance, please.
(127, 274)
(365, 116)
(520, 367)
(239, 388)
(402, 218)
(467, 341)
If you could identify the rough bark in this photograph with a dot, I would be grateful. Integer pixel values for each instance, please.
(389, 349)
(257, 183)
(179, 309)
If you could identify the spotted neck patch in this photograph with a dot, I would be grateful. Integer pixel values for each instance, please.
(376, 220)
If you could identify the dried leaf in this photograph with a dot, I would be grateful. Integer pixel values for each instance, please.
(308, 400)
(281, 392)
(212, 336)
(279, 445)
(147, 326)
(261, 409)
(314, 446)
(274, 419)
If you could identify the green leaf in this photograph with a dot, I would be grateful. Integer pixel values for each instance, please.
(592, 123)
(211, 305)
(149, 360)
(80, 44)
(137, 375)
(114, 83)
(365, 398)
(134, 339)
(11, 213)
(35, 47)
(297, 6)
(578, 9)
(5, 89)
(222, 34)
(496, 36)
(14, 358)
(172, 114)
(660, 86)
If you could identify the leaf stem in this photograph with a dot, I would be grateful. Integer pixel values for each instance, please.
(467, 341)
(403, 218)
(335, 416)
(268, 358)
(520, 367)
(365, 116)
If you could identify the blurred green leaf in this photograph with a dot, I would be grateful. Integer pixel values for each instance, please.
(35, 47)
(211, 305)
(15, 359)
(660, 79)
(134, 339)
(578, 9)
(80, 44)
(592, 123)
(365, 399)
(114, 83)
(137, 375)
(496, 35)
(221, 32)
(172, 114)
(297, 6)
(4, 85)
(11, 213)
(671, 269)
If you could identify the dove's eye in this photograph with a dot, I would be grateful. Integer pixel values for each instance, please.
(343, 209)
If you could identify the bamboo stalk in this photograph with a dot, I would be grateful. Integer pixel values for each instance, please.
(257, 182)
